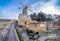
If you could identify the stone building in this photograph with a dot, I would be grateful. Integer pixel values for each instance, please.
(24, 18)
(57, 22)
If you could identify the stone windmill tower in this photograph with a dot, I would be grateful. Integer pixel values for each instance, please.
(24, 18)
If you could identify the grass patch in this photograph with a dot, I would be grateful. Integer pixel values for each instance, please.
(51, 39)
(43, 33)
(19, 36)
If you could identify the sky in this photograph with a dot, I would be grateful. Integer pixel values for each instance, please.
(9, 9)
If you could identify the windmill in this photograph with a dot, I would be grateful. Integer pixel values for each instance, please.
(25, 8)
(24, 17)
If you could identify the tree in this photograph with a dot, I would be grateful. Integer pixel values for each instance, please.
(41, 17)
(33, 16)
(48, 19)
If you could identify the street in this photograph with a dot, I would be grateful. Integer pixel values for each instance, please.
(11, 36)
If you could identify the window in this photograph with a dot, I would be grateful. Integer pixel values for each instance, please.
(42, 24)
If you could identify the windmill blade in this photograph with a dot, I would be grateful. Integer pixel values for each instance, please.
(29, 6)
(19, 8)
(25, 3)
(21, 4)
(30, 9)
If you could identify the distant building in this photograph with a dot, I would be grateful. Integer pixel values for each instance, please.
(57, 22)
(54, 16)
(57, 19)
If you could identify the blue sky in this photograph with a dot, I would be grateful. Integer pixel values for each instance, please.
(9, 8)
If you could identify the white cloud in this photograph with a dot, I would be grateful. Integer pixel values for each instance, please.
(48, 7)
(11, 11)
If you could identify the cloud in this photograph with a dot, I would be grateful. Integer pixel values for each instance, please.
(46, 7)
(11, 10)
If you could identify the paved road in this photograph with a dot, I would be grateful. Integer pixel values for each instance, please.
(11, 36)
(0, 39)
